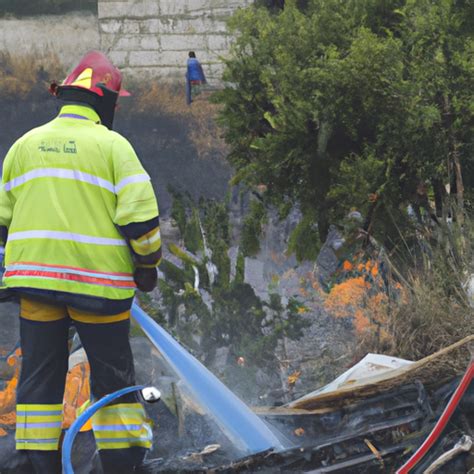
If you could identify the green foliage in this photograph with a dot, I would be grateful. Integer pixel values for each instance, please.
(210, 218)
(238, 320)
(178, 211)
(349, 99)
(252, 229)
(294, 324)
(217, 230)
(169, 300)
(216, 222)
(234, 316)
(174, 273)
(304, 240)
(45, 7)
(182, 255)
(192, 234)
(240, 268)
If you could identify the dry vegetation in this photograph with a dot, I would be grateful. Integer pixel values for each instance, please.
(410, 316)
(199, 118)
(22, 74)
(428, 318)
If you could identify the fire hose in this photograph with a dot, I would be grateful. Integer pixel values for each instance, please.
(243, 427)
(442, 421)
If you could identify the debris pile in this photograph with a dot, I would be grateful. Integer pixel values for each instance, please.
(368, 420)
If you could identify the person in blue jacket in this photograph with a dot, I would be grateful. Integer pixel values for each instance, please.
(195, 77)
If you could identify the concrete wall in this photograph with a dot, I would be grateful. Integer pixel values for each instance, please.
(69, 37)
(152, 37)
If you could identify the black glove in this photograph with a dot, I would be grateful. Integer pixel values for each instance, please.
(145, 278)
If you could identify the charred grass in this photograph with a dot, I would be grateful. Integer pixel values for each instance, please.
(199, 119)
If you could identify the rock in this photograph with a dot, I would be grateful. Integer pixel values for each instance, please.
(221, 360)
(254, 276)
(327, 261)
(207, 299)
(233, 253)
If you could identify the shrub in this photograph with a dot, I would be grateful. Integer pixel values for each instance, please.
(252, 228)
(304, 241)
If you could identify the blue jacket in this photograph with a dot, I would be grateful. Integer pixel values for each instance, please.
(195, 72)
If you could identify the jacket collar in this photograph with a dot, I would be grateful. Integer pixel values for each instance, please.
(79, 112)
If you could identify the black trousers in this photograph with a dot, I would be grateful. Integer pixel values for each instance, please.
(42, 384)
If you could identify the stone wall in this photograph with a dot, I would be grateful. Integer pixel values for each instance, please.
(68, 37)
(151, 38)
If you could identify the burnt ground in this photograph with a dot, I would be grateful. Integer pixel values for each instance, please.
(370, 436)
(340, 445)
(161, 141)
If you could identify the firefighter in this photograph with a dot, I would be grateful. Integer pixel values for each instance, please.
(83, 234)
(195, 77)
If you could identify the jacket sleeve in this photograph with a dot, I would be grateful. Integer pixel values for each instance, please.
(6, 205)
(137, 210)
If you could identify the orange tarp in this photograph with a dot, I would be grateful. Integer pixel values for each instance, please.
(76, 394)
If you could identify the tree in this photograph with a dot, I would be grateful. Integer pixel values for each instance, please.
(362, 103)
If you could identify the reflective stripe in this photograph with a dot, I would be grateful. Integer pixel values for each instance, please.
(127, 408)
(74, 116)
(73, 268)
(123, 440)
(148, 243)
(39, 441)
(70, 277)
(69, 270)
(117, 427)
(75, 175)
(32, 425)
(122, 426)
(38, 419)
(31, 445)
(38, 426)
(55, 277)
(138, 178)
(62, 272)
(124, 445)
(59, 173)
(39, 406)
(59, 235)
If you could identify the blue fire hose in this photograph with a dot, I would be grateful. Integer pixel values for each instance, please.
(243, 427)
(83, 419)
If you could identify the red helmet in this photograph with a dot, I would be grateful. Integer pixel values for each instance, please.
(95, 68)
(95, 82)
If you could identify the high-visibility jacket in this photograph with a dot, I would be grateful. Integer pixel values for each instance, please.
(67, 188)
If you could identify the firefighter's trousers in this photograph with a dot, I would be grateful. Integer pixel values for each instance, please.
(121, 430)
